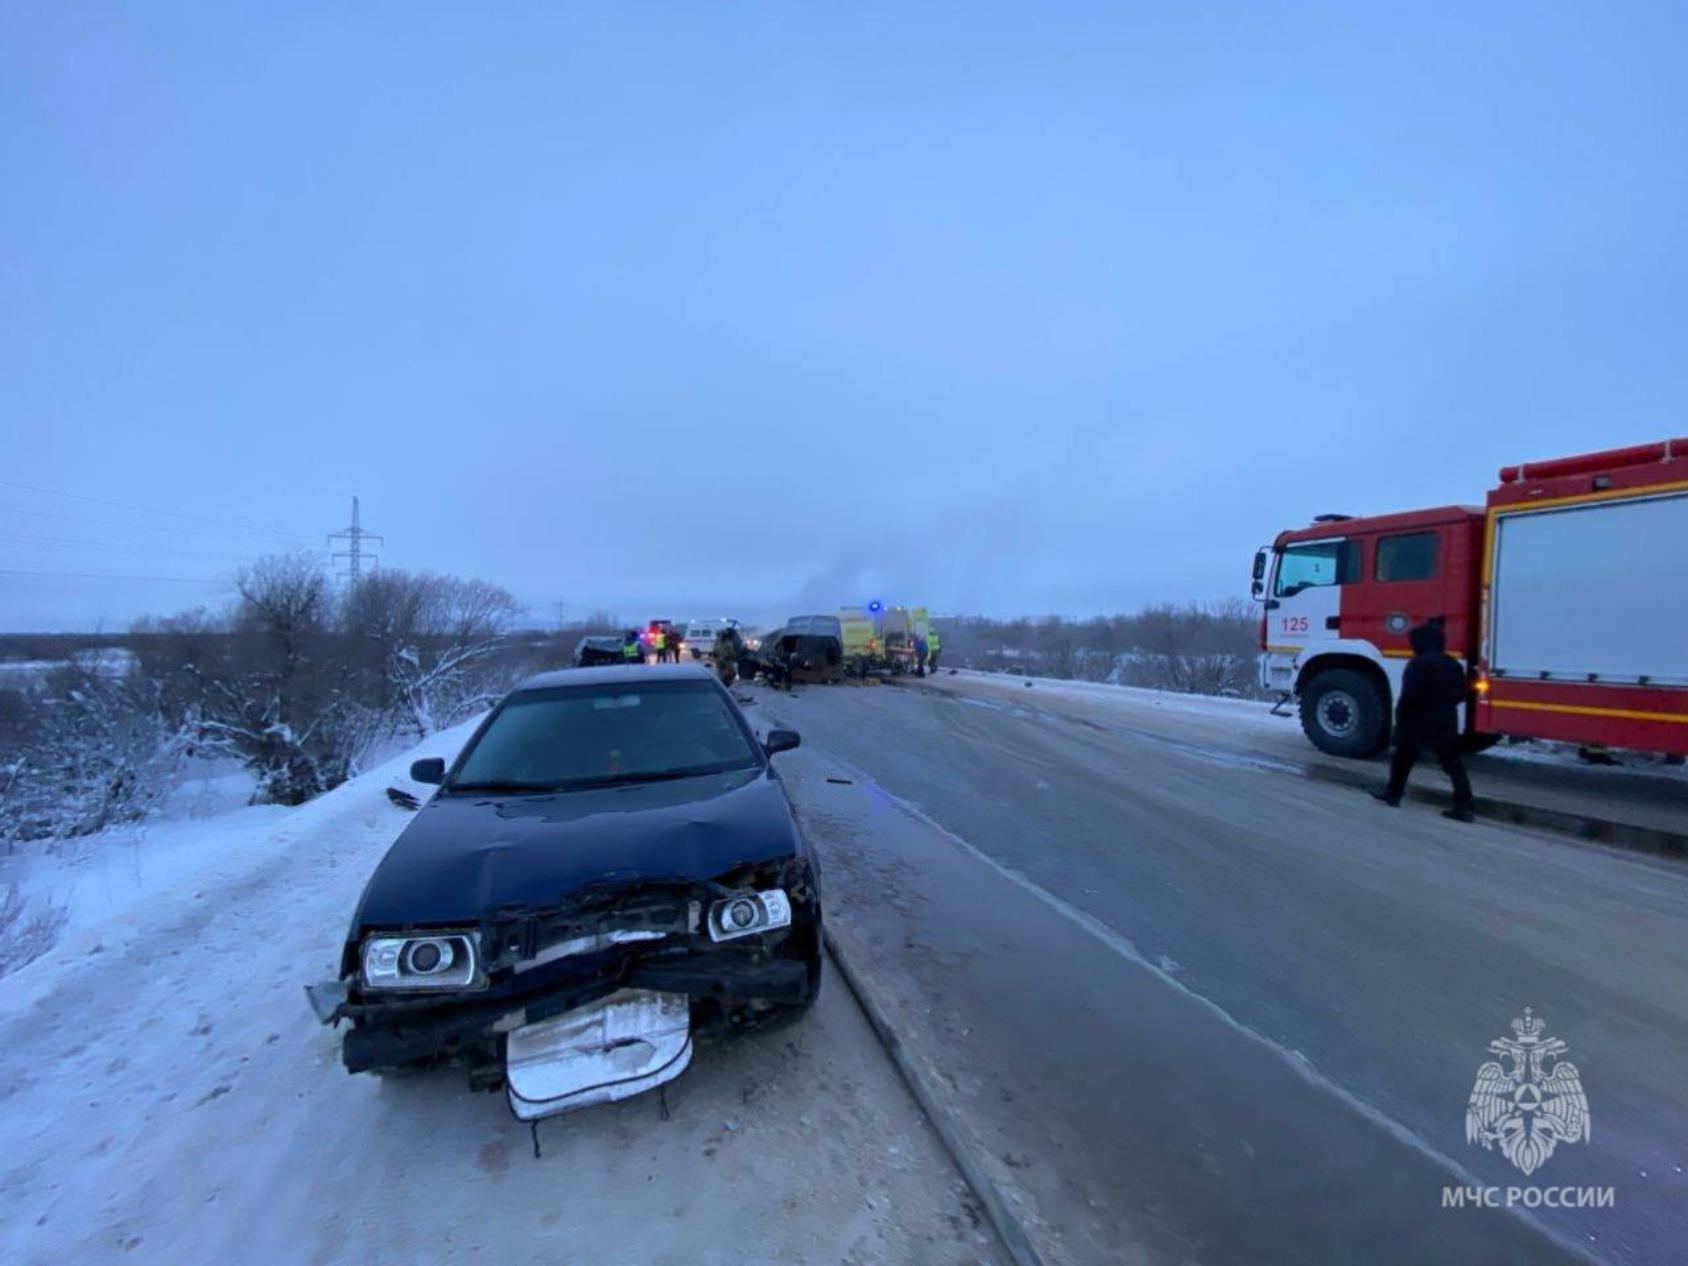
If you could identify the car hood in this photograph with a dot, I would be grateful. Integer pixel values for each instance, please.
(464, 857)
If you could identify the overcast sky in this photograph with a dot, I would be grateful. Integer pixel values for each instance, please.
(703, 308)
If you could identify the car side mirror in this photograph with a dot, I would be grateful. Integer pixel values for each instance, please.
(430, 770)
(781, 741)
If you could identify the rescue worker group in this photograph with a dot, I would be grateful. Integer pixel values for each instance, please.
(855, 642)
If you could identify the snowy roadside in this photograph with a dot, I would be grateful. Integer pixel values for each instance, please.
(1245, 710)
(1642, 804)
(169, 1098)
(1258, 713)
(204, 821)
(203, 824)
(124, 884)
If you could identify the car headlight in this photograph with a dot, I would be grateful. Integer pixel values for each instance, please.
(749, 912)
(445, 960)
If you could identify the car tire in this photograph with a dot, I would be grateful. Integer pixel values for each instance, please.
(1343, 713)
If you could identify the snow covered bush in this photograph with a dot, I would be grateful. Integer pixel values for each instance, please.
(86, 751)
(27, 929)
(300, 682)
(297, 680)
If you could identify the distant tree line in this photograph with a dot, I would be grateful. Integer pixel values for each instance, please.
(298, 679)
(1192, 648)
(301, 681)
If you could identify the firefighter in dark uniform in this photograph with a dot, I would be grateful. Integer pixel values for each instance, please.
(1427, 715)
(728, 647)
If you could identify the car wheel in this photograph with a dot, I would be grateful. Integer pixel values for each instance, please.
(1343, 713)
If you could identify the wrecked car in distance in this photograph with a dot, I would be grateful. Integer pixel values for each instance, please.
(608, 868)
(791, 656)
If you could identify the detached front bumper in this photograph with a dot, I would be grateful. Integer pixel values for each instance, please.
(471, 1027)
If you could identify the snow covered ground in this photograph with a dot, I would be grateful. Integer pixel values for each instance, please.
(106, 661)
(168, 1097)
(203, 822)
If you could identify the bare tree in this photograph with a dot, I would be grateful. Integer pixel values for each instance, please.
(293, 680)
(434, 640)
(1207, 649)
(276, 695)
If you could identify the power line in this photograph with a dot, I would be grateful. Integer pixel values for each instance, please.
(115, 523)
(100, 575)
(174, 514)
(53, 542)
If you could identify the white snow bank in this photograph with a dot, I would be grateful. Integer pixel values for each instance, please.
(151, 869)
(1172, 700)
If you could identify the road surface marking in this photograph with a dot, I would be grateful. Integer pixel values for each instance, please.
(1125, 948)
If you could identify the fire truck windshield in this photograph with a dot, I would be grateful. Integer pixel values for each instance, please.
(1315, 563)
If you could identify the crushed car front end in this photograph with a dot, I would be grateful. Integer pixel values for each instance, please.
(732, 952)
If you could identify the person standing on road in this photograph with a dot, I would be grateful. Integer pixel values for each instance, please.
(631, 651)
(728, 647)
(1427, 715)
(659, 643)
(932, 645)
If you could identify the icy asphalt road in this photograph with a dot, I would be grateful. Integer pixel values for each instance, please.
(166, 1097)
(1193, 1007)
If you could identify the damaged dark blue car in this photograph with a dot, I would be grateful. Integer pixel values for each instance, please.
(609, 867)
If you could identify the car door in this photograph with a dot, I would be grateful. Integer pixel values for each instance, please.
(1407, 589)
(1306, 598)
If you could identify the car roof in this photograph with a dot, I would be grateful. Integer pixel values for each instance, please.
(616, 673)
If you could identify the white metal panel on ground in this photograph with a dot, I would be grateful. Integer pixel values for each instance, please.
(620, 1046)
(1593, 589)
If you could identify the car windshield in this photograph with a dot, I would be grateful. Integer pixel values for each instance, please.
(823, 624)
(575, 736)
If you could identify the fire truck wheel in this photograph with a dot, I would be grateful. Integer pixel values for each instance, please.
(1474, 743)
(1344, 713)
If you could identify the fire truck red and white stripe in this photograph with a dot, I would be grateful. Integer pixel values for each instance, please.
(1566, 595)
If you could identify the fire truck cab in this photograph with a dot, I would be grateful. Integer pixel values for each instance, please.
(1565, 595)
(1340, 597)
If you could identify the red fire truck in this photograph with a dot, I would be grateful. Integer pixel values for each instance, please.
(1566, 595)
